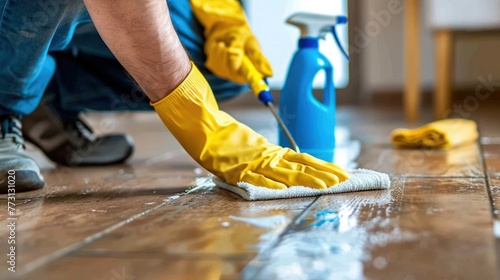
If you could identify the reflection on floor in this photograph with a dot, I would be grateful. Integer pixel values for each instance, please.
(134, 221)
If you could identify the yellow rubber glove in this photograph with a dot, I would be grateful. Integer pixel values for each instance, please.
(231, 150)
(229, 39)
(441, 134)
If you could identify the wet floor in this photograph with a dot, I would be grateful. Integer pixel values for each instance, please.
(136, 220)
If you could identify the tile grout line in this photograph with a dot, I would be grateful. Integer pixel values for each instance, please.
(281, 235)
(293, 222)
(494, 209)
(71, 248)
(299, 216)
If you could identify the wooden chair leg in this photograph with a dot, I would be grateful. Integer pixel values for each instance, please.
(444, 73)
(412, 60)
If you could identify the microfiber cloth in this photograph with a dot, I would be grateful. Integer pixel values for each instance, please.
(441, 134)
(359, 180)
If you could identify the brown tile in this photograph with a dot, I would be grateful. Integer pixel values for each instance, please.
(165, 173)
(419, 229)
(141, 267)
(491, 149)
(454, 217)
(98, 268)
(462, 161)
(55, 224)
(197, 269)
(213, 223)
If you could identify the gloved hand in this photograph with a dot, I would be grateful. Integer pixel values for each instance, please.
(229, 39)
(231, 150)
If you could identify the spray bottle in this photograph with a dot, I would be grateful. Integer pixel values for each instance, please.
(310, 121)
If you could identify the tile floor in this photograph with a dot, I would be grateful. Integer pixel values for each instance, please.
(134, 221)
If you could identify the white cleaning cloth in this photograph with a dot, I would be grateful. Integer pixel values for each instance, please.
(359, 180)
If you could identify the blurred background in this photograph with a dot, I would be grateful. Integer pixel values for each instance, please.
(377, 34)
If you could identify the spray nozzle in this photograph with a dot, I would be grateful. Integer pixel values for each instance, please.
(317, 26)
(311, 25)
(342, 19)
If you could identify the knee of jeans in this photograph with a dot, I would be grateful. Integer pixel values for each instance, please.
(28, 82)
(49, 15)
(71, 14)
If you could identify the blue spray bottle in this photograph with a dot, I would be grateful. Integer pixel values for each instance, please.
(311, 122)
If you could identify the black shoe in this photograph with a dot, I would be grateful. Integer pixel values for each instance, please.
(72, 143)
(18, 172)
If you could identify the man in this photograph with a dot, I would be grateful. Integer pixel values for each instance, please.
(141, 36)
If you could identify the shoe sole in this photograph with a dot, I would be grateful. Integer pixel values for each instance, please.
(25, 181)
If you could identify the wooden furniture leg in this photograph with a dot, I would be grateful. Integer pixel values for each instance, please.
(412, 60)
(444, 73)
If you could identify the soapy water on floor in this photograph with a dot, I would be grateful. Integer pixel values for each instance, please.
(496, 228)
(274, 225)
(334, 244)
(331, 244)
(270, 222)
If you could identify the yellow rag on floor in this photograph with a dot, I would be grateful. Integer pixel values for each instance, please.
(441, 134)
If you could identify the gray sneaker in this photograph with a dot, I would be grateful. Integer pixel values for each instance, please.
(18, 172)
(73, 143)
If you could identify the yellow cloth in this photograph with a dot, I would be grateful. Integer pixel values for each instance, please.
(231, 150)
(229, 40)
(441, 134)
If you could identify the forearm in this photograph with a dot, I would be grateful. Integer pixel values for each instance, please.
(141, 36)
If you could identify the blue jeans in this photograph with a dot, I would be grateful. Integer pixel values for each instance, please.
(51, 47)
